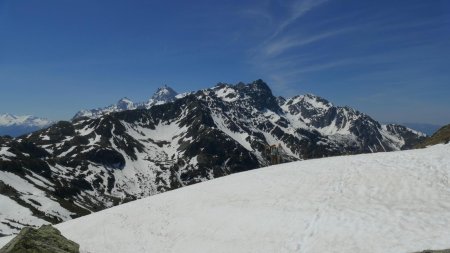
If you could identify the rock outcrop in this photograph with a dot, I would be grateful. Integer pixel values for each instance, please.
(46, 239)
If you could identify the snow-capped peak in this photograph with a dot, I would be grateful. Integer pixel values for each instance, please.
(310, 100)
(125, 104)
(163, 94)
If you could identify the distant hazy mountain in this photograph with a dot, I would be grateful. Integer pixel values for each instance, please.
(428, 129)
(162, 95)
(121, 105)
(17, 125)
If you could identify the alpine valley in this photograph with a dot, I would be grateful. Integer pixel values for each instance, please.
(112, 155)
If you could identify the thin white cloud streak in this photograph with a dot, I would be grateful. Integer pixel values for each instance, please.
(278, 47)
(324, 66)
(297, 10)
(290, 69)
(285, 78)
(258, 13)
(272, 47)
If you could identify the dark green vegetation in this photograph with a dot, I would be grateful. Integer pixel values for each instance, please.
(46, 239)
(441, 136)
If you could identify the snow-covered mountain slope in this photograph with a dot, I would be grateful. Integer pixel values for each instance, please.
(14, 125)
(308, 118)
(384, 202)
(163, 95)
(347, 125)
(93, 163)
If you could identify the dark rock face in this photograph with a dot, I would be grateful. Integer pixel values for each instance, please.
(107, 157)
(46, 239)
(93, 163)
(260, 95)
(16, 130)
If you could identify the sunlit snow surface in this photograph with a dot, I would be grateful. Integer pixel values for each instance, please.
(383, 202)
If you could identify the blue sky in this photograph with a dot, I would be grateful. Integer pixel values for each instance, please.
(389, 59)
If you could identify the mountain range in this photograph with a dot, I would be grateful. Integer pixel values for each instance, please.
(108, 156)
(162, 95)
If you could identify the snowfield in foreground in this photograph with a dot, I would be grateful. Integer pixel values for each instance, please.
(385, 202)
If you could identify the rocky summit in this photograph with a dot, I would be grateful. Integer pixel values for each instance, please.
(74, 168)
(46, 239)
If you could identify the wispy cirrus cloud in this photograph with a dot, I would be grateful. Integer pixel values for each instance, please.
(278, 46)
(282, 37)
(325, 66)
(296, 10)
(351, 50)
(305, 39)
